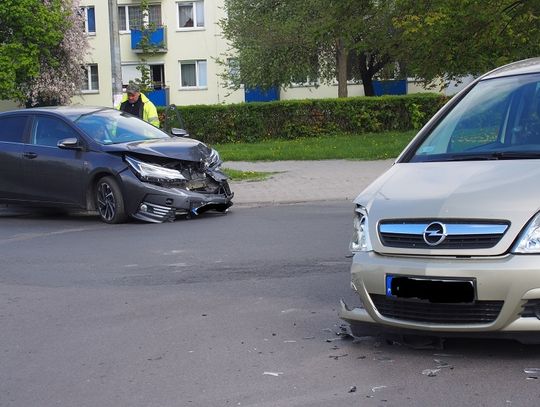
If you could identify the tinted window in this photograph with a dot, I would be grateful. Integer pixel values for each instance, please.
(12, 128)
(48, 131)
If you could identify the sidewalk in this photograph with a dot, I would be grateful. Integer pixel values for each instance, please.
(302, 181)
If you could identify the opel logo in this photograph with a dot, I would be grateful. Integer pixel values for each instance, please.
(434, 233)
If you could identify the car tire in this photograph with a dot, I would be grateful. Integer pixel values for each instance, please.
(110, 201)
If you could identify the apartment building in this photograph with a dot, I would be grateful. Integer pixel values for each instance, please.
(184, 70)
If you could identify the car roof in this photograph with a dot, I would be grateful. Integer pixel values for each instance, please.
(66, 111)
(526, 66)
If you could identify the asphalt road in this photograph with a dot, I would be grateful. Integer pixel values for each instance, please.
(222, 310)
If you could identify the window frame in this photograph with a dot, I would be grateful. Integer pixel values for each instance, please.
(126, 20)
(86, 24)
(197, 63)
(88, 76)
(194, 15)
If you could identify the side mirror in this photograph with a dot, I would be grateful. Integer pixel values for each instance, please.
(176, 132)
(71, 143)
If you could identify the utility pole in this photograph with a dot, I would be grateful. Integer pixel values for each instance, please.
(116, 61)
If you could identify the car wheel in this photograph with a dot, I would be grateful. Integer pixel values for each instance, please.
(109, 201)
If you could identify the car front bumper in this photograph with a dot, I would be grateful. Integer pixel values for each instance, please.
(512, 282)
(153, 203)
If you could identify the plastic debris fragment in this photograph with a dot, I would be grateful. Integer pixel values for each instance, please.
(275, 374)
(533, 373)
(336, 357)
(430, 372)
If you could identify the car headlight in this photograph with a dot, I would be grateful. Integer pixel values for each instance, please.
(152, 172)
(529, 240)
(214, 160)
(360, 240)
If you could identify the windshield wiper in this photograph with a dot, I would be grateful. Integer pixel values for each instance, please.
(496, 155)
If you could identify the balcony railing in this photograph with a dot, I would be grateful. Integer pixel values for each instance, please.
(156, 40)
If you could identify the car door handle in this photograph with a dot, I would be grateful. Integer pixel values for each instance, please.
(29, 155)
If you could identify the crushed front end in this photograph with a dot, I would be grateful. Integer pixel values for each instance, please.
(160, 188)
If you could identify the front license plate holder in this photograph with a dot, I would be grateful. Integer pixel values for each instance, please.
(436, 290)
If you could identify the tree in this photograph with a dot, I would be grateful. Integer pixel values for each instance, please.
(147, 49)
(42, 49)
(448, 39)
(281, 42)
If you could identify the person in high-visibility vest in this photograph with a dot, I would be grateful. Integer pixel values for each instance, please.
(136, 103)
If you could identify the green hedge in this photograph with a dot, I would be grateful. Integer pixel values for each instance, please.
(251, 122)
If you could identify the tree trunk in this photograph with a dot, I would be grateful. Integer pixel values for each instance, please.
(367, 81)
(366, 73)
(341, 56)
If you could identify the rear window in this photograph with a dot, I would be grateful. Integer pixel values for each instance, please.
(12, 128)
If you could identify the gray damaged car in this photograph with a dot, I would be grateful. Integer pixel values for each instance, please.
(100, 159)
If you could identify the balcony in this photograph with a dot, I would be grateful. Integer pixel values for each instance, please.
(156, 40)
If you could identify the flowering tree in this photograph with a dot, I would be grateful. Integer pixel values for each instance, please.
(42, 50)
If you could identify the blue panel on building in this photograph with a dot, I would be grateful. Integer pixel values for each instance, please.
(390, 87)
(261, 95)
(157, 38)
(159, 97)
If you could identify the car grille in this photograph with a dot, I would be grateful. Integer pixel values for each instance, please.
(411, 234)
(478, 312)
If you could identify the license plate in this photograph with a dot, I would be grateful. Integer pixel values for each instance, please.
(437, 290)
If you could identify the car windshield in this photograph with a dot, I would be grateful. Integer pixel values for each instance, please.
(498, 119)
(109, 126)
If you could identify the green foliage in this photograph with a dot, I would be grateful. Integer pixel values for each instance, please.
(287, 120)
(29, 31)
(281, 42)
(451, 38)
(147, 50)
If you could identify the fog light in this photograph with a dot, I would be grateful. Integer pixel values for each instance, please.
(531, 309)
(143, 208)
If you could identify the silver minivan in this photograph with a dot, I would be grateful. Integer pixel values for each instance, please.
(447, 241)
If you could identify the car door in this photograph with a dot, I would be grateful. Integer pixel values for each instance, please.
(52, 174)
(12, 133)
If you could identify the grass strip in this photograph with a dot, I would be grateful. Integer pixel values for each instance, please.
(369, 146)
(237, 175)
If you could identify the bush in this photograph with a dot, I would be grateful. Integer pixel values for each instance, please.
(251, 122)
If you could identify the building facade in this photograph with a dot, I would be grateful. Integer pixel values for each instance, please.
(183, 68)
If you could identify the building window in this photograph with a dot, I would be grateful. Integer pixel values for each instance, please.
(91, 82)
(131, 18)
(89, 20)
(190, 14)
(193, 74)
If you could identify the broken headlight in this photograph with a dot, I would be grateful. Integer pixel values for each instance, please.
(154, 173)
(214, 160)
(360, 240)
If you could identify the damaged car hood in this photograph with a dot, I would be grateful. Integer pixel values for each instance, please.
(456, 190)
(177, 148)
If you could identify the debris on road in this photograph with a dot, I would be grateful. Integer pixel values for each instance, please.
(275, 374)
(532, 372)
(430, 372)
